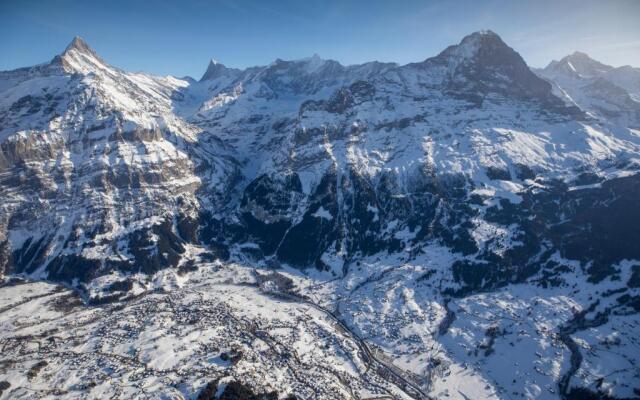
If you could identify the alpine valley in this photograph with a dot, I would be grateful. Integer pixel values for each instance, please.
(464, 227)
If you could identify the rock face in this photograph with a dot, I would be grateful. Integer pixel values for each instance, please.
(216, 70)
(483, 63)
(96, 173)
(313, 164)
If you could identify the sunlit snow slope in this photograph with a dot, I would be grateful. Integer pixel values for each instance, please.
(448, 214)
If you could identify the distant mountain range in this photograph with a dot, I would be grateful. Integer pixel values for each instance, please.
(607, 93)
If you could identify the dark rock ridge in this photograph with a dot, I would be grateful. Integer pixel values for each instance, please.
(216, 70)
(235, 391)
(482, 62)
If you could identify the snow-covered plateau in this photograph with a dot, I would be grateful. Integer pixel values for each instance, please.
(463, 227)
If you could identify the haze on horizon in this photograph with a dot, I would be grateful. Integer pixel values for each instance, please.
(179, 38)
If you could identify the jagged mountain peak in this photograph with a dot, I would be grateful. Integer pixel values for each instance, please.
(307, 64)
(79, 57)
(315, 64)
(472, 45)
(305, 75)
(78, 44)
(578, 64)
(479, 51)
(579, 55)
(484, 36)
(216, 69)
(482, 62)
(80, 48)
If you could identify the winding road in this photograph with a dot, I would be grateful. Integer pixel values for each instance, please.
(388, 372)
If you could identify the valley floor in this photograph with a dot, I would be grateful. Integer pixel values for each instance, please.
(379, 332)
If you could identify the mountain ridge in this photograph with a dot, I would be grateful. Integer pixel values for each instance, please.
(449, 211)
(484, 68)
(600, 90)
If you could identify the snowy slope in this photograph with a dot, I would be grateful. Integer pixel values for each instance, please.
(92, 159)
(607, 93)
(422, 208)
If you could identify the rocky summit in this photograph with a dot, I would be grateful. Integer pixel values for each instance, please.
(460, 227)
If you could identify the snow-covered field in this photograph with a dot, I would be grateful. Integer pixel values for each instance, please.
(305, 336)
(170, 345)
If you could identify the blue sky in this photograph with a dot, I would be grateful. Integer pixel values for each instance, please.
(179, 37)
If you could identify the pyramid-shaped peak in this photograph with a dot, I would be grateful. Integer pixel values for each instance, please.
(79, 44)
(580, 64)
(313, 63)
(78, 57)
(216, 69)
(585, 58)
(484, 63)
(582, 58)
(485, 42)
(482, 38)
(579, 54)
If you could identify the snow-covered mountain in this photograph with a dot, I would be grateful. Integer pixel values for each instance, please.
(407, 194)
(605, 92)
(94, 161)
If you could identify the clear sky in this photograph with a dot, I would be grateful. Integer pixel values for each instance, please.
(179, 37)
